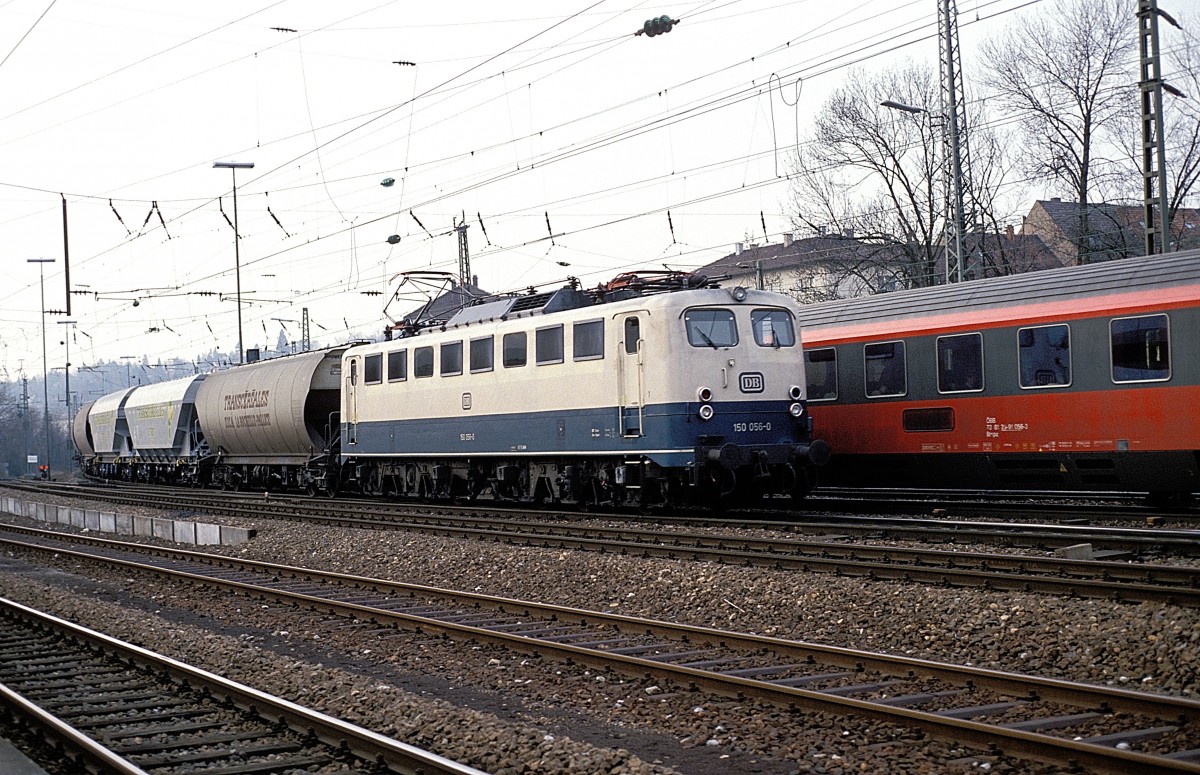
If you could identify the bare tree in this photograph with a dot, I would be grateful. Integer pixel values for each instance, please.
(1064, 74)
(871, 173)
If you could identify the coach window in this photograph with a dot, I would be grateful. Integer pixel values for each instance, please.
(1044, 353)
(373, 369)
(514, 350)
(548, 345)
(960, 363)
(884, 369)
(820, 367)
(587, 340)
(710, 328)
(451, 359)
(423, 362)
(772, 328)
(482, 354)
(1141, 349)
(397, 366)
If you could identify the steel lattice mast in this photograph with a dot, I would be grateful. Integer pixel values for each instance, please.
(956, 158)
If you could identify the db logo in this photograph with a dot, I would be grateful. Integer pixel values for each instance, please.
(751, 382)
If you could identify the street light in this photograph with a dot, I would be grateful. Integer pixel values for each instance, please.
(67, 380)
(234, 166)
(952, 164)
(41, 262)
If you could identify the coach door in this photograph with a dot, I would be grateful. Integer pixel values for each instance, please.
(352, 403)
(630, 376)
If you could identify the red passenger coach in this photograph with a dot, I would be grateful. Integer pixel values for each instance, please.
(1085, 378)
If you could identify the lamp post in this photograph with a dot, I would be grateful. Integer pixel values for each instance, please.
(955, 210)
(234, 166)
(67, 381)
(41, 262)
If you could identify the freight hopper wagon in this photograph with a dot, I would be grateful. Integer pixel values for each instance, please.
(273, 424)
(105, 447)
(167, 442)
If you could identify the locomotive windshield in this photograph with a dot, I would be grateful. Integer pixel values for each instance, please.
(710, 328)
(773, 328)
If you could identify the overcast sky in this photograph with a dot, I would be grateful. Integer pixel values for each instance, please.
(531, 119)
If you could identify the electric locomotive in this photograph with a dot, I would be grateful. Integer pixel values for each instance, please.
(1085, 378)
(621, 395)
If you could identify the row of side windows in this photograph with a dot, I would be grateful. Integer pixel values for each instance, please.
(1139, 346)
(587, 339)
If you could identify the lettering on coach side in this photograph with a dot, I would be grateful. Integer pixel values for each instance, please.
(251, 399)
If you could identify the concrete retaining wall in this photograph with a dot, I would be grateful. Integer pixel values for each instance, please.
(180, 531)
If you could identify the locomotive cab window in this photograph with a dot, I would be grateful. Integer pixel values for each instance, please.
(773, 328)
(587, 340)
(373, 369)
(960, 363)
(633, 335)
(397, 366)
(423, 362)
(710, 328)
(548, 345)
(514, 350)
(452, 359)
(885, 370)
(1044, 354)
(820, 368)
(482, 354)
(1141, 349)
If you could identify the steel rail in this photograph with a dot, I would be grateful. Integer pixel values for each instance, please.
(373, 747)
(1091, 756)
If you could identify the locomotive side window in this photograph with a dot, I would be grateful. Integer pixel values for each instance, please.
(1141, 349)
(587, 340)
(772, 328)
(885, 370)
(354, 371)
(820, 367)
(514, 350)
(373, 369)
(423, 362)
(960, 363)
(633, 335)
(397, 367)
(710, 328)
(548, 345)
(482, 354)
(1044, 353)
(452, 359)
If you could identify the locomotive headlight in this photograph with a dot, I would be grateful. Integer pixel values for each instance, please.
(706, 412)
(795, 392)
(738, 293)
(795, 410)
(704, 394)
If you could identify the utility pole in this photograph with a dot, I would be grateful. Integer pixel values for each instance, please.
(25, 417)
(1154, 158)
(305, 339)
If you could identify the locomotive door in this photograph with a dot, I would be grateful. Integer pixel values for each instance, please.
(631, 388)
(352, 403)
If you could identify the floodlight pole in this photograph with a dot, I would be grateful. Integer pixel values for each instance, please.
(234, 166)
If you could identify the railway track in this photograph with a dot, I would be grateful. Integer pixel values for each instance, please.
(112, 707)
(945, 528)
(1094, 728)
(1109, 579)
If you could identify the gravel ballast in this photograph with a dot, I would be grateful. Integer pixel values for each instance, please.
(506, 712)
